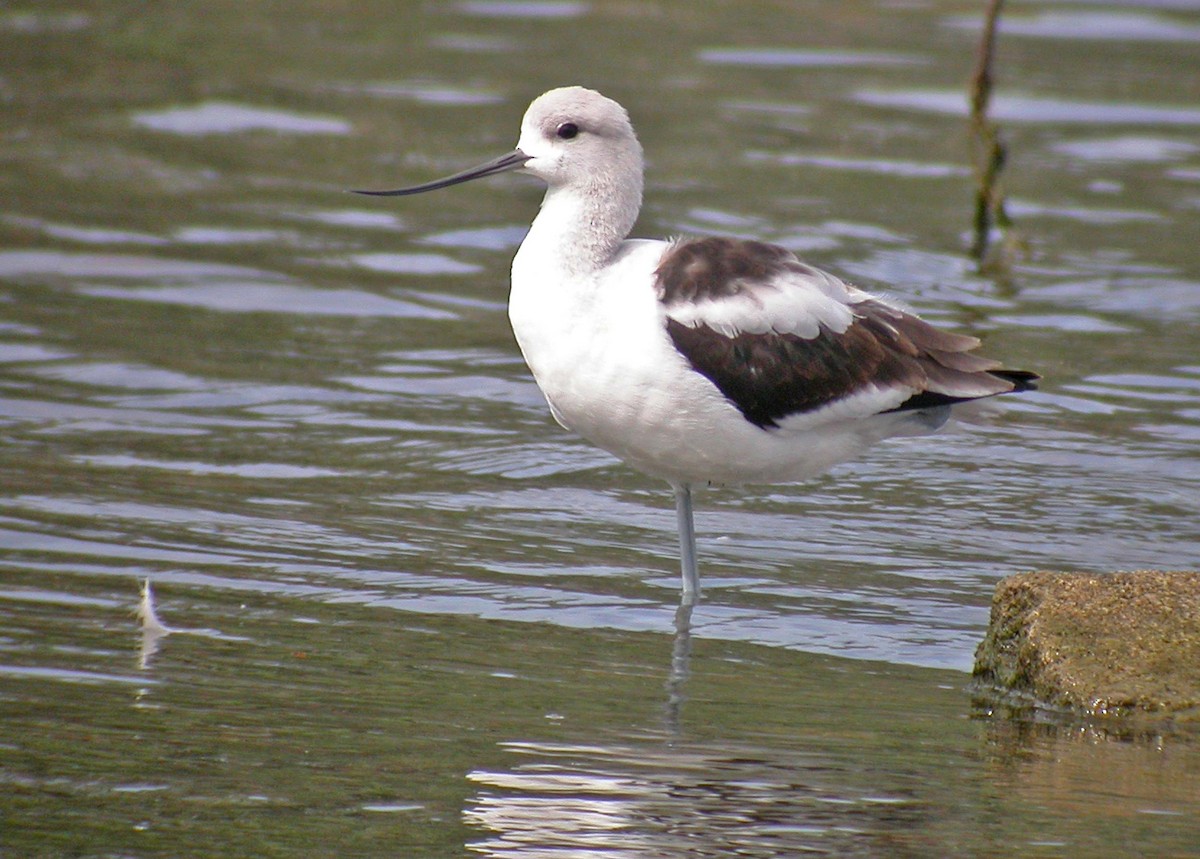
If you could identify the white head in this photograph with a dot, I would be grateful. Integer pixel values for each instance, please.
(571, 137)
(578, 138)
(582, 146)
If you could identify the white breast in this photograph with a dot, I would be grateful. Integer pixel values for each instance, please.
(595, 342)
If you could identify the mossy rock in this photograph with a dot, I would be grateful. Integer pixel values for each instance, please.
(1123, 645)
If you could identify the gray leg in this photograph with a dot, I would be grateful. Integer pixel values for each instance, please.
(687, 543)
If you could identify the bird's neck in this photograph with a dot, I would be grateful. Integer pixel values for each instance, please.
(581, 229)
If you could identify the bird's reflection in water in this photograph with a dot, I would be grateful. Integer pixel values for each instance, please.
(663, 795)
(650, 798)
(681, 659)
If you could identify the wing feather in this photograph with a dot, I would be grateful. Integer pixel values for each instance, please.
(778, 337)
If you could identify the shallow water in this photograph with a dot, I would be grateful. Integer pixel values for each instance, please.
(419, 619)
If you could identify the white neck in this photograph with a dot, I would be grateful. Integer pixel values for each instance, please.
(581, 229)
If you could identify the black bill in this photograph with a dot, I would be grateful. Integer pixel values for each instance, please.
(511, 161)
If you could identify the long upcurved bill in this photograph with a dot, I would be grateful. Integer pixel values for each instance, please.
(511, 161)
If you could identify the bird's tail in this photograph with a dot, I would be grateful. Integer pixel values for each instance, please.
(1022, 380)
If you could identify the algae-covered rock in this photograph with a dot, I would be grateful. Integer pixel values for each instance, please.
(1117, 644)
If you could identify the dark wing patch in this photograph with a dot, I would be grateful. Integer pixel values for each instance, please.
(770, 375)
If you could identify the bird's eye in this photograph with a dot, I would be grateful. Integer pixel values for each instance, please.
(567, 131)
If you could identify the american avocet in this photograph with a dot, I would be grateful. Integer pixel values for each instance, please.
(704, 361)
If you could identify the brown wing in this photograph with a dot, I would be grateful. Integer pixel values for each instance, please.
(895, 357)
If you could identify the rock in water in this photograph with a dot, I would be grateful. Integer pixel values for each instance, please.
(1117, 644)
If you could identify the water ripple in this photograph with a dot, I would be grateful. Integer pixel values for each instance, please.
(218, 117)
(1088, 26)
(1034, 109)
(805, 58)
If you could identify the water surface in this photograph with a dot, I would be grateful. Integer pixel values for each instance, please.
(419, 619)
